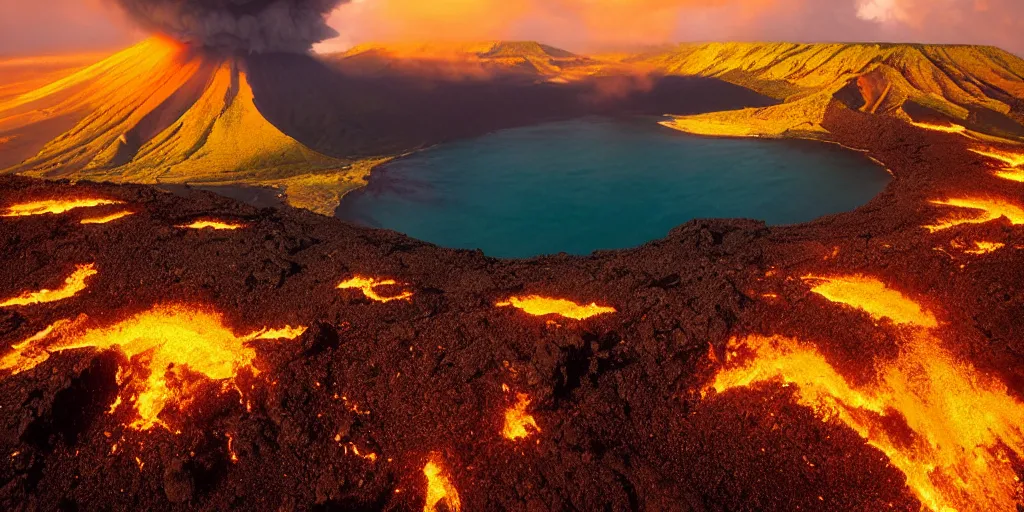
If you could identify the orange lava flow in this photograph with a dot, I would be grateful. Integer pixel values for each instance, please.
(72, 285)
(439, 488)
(1010, 158)
(367, 286)
(518, 423)
(945, 128)
(985, 247)
(53, 206)
(1011, 174)
(963, 423)
(540, 306)
(964, 426)
(981, 210)
(160, 344)
(107, 218)
(212, 224)
(873, 297)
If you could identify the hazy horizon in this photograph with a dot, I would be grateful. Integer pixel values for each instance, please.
(71, 26)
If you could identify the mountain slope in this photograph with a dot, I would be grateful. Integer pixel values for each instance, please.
(979, 87)
(479, 60)
(159, 113)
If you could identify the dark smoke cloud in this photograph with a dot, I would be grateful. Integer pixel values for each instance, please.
(256, 26)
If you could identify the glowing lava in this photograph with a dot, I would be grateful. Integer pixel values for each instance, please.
(53, 206)
(945, 128)
(964, 427)
(439, 488)
(540, 306)
(160, 344)
(982, 210)
(1010, 158)
(107, 218)
(985, 247)
(1013, 160)
(368, 284)
(873, 297)
(963, 423)
(1011, 174)
(72, 285)
(212, 224)
(518, 423)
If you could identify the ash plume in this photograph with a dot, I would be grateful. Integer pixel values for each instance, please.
(255, 26)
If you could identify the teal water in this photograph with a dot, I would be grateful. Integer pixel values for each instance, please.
(601, 183)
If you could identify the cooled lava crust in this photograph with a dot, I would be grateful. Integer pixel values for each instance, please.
(624, 417)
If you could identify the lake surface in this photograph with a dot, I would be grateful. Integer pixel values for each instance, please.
(600, 183)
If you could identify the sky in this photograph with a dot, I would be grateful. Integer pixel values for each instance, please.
(34, 27)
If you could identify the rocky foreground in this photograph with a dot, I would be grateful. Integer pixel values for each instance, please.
(160, 352)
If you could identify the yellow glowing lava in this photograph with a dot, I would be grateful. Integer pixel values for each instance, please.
(53, 206)
(1011, 158)
(367, 285)
(981, 210)
(518, 423)
(1014, 161)
(285, 333)
(72, 285)
(160, 343)
(231, 448)
(873, 297)
(539, 306)
(985, 247)
(107, 218)
(945, 128)
(439, 488)
(370, 456)
(1011, 174)
(963, 423)
(212, 224)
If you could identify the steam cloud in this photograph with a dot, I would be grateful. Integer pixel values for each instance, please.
(256, 26)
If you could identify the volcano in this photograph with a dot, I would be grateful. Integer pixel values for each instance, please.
(161, 112)
(168, 351)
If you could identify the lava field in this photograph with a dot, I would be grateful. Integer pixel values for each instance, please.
(187, 352)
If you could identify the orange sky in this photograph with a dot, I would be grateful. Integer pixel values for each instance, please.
(50, 26)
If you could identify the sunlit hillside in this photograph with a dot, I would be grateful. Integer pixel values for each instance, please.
(981, 88)
(469, 60)
(159, 113)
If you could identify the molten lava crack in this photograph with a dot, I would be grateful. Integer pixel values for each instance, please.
(963, 423)
(873, 297)
(368, 284)
(519, 424)
(53, 206)
(439, 488)
(72, 285)
(1011, 175)
(945, 128)
(540, 306)
(160, 345)
(985, 247)
(1010, 158)
(212, 224)
(981, 210)
(949, 128)
(107, 218)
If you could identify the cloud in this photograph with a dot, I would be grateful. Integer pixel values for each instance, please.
(245, 25)
(584, 24)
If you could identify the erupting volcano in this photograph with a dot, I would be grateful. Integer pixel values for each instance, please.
(163, 347)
